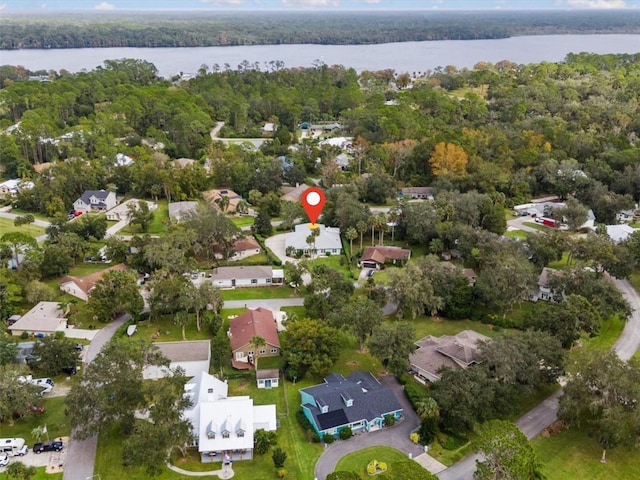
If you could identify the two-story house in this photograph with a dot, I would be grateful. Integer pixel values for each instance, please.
(95, 201)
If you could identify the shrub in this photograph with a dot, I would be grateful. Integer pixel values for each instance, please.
(263, 440)
(328, 438)
(389, 420)
(282, 473)
(315, 438)
(428, 430)
(414, 437)
(453, 443)
(346, 433)
(24, 335)
(279, 456)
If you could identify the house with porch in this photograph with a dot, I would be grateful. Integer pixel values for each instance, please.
(46, 318)
(259, 322)
(247, 276)
(242, 247)
(376, 257)
(326, 243)
(213, 197)
(448, 351)
(222, 426)
(95, 201)
(543, 292)
(359, 401)
(121, 212)
(12, 187)
(417, 193)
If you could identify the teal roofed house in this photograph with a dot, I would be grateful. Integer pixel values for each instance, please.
(359, 401)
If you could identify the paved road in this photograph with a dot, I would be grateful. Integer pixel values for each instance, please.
(536, 420)
(81, 454)
(517, 223)
(396, 436)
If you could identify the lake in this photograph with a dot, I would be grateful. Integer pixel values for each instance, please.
(401, 57)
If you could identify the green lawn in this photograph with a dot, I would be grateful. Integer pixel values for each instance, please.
(572, 454)
(159, 225)
(520, 234)
(243, 221)
(284, 291)
(37, 216)
(7, 225)
(358, 461)
(428, 326)
(53, 416)
(562, 263)
(333, 261)
(164, 330)
(610, 331)
(537, 226)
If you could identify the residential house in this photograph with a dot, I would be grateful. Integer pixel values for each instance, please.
(80, 287)
(46, 318)
(343, 161)
(268, 378)
(449, 351)
(269, 129)
(327, 243)
(417, 193)
(183, 162)
(344, 143)
(192, 356)
(293, 194)
(214, 196)
(242, 248)
(543, 292)
(179, 210)
(625, 216)
(470, 273)
(121, 212)
(620, 233)
(259, 322)
(246, 276)
(223, 427)
(11, 188)
(95, 201)
(123, 160)
(359, 401)
(376, 257)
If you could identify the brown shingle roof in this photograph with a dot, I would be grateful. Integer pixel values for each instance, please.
(87, 282)
(293, 194)
(382, 254)
(189, 351)
(258, 322)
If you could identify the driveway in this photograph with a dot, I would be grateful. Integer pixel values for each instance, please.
(276, 244)
(543, 415)
(396, 436)
(517, 223)
(81, 454)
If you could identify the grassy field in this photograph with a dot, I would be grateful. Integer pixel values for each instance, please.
(243, 221)
(572, 454)
(164, 330)
(520, 234)
(258, 293)
(159, 225)
(428, 326)
(53, 416)
(358, 461)
(7, 225)
(37, 216)
(537, 226)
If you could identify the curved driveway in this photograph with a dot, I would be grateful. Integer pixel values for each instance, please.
(536, 420)
(396, 436)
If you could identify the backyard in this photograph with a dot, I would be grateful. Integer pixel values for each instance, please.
(7, 225)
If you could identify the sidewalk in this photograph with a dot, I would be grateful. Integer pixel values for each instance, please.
(429, 463)
(225, 472)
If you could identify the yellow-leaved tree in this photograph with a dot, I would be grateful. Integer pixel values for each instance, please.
(448, 159)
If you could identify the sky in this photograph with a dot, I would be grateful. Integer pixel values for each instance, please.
(7, 6)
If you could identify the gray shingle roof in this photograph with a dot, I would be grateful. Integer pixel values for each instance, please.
(370, 399)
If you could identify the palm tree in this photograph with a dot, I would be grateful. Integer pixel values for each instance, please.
(223, 203)
(350, 234)
(427, 408)
(256, 342)
(382, 227)
(361, 227)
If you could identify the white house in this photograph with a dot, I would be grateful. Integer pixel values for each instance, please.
(246, 276)
(619, 233)
(45, 318)
(625, 216)
(80, 287)
(121, 211)
(192, 356)
(11, 188)
(123, 160)
(327, 243)
(95, 200)
(543, 292)
(223, 427)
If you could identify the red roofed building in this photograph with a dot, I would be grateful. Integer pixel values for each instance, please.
(81, 287)
(259, 322)
(374, 257)
(242, 247)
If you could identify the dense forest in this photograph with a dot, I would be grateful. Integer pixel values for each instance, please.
(569, 129)
(226, 29)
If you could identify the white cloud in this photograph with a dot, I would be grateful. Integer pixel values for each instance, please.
(104, 6)
(597, 3)
(3, 6)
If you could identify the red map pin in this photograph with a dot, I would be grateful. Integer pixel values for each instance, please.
(313, 202)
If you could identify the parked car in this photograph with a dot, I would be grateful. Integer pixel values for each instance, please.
(370, 273)
(54, 446)
(79, 347)
(4, 459)
(70, 370)
(36, 409)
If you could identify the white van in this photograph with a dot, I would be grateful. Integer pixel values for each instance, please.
(13, 446)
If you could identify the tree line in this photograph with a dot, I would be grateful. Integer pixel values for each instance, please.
(228, 29)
